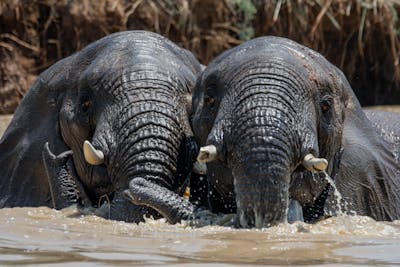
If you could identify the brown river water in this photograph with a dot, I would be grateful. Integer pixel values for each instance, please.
(46, 237)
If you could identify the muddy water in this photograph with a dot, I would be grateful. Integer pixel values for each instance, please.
(46, 237)
(32, 236)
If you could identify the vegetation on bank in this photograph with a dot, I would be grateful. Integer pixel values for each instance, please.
(359, 36)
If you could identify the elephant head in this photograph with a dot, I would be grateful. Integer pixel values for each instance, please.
(270, 115)
(121, 106)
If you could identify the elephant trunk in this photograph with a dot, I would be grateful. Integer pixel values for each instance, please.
(147, 157)
(148, 140)
(262, 179)
(266, 148)
(153, 159)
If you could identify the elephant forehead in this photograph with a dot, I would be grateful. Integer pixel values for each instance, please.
(296, 52)
(140, 70)
(269, 50)
(121, 54)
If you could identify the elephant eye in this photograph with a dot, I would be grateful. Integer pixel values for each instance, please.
(325, 105)
(86, 105)
(209, 100)
(209, 95)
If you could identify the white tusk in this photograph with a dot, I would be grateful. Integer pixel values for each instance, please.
(207, 154)
(314, 164)
(92, 155)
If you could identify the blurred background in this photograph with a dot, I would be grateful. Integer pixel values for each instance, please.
(361, 37)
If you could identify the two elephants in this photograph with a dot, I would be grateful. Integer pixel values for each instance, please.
(273, 118)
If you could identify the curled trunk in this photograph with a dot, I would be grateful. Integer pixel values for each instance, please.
(147, 156)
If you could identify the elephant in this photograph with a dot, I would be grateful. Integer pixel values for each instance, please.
(110, 122)
(278, 123)
(372, 158)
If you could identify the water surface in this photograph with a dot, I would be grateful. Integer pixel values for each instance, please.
(33, 236)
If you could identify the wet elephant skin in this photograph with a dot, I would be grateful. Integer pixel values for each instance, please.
(127, 95)
(264, 106)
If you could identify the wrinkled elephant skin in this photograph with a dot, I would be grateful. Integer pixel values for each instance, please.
(271, 115)
(96, 121)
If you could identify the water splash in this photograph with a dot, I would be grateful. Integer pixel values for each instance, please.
(34, 236)
(337, 196)
(205, 217)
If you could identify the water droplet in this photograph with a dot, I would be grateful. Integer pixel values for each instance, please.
(337, 195)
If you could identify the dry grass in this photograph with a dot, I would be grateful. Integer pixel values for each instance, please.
(359, 36)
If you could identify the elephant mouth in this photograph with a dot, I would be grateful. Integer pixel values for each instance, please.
(96, 182)
(267, 203)
(99, 189)
(303, 186)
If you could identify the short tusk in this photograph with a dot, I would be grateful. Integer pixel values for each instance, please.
(92, 155)
(207, 154)
(314, 164)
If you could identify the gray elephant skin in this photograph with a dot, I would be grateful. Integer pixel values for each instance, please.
(271, 115)
(108, 122)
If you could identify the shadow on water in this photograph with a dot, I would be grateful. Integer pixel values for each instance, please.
(42, 236)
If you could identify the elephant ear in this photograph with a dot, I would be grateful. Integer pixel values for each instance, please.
(368, 174)
(23, 179)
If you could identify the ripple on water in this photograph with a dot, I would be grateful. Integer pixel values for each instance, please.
(42, 235)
